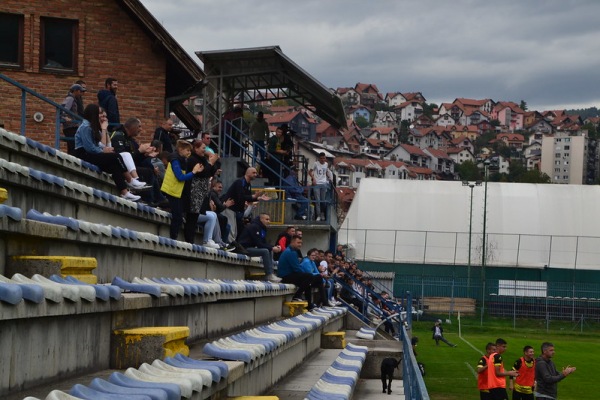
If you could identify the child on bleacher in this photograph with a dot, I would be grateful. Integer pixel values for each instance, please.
(172, 186)
(90, 147)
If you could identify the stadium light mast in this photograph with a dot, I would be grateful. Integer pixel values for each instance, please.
(471, 185)
(486, 165)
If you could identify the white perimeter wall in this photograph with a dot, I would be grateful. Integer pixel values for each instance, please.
(528, 225)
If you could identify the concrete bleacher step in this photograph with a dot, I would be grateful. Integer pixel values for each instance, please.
(339, 380)
(78, 267)
(132, 347)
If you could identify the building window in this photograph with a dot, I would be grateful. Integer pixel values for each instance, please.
(11, 40)
(58, 48)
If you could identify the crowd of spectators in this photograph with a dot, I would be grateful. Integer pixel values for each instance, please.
(182, 176)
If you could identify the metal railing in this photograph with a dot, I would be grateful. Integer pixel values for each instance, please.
(414, 385)
(60, 110)
(551, 303)
(452, 248)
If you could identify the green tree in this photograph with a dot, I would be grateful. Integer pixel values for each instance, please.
(361, 121)
(515, 171)
(404, 127)
(592, 130)
(534, 176)
(523, 105)
(428, 109)
(280, 103)
(468, 171)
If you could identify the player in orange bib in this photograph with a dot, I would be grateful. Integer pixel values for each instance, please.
(496, 373)
(482, 374)
(522, 387)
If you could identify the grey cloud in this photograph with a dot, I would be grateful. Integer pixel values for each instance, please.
(545, 52)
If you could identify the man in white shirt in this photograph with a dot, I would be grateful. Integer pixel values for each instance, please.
(321, 177)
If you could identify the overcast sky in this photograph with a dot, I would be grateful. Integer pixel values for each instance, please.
(546, 52)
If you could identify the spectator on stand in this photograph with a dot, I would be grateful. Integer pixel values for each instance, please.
(196, 191)
(321, 177)
(172, 186)
(290, 271)
(214, 203)
(165, 134)
(253, 238)
(295, 191)
(134, 154)
(89, 146)
(107, 99)
(284, 238)
(70, 124)
(259, 132)
(240, 192)
(276, 159)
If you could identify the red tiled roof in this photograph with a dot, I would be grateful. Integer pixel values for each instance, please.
(380, 143)
(459, 139)
(413, 149)
(385, 130)
(360, 87)
(513, 137)
(437, 153)
(282, 118)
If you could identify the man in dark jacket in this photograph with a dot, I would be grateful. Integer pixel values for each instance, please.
(123, 140)
(70, 123)
(107, 99)
(253, 238)
(546, 375)
(240, 192)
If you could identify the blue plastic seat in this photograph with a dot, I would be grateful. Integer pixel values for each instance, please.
(153, 290)
(107, 387)
(10, 293)
(13, 213)
(87, 393)
(173, 391)
(51, 219)
(227, 354)
(220, 365)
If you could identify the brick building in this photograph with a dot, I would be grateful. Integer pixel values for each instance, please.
(47, 45)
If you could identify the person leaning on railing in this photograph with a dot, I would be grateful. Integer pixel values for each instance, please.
(89, 147)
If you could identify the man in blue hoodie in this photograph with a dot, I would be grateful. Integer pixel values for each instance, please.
(290, 271)
(253, 239)
(107, 99)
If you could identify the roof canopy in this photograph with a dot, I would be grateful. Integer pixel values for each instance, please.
(252, 73)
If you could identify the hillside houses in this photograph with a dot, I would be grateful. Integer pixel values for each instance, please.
(397, 135)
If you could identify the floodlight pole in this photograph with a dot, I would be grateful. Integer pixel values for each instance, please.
(486, 165)
(471, 185)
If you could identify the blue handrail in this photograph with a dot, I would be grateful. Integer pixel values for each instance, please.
(414, 385)
(59, 109)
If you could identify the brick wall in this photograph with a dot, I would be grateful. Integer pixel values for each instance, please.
(111, 44)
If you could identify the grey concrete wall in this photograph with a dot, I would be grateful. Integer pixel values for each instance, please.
(46, 342)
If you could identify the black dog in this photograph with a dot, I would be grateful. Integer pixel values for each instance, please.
(388, 365)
